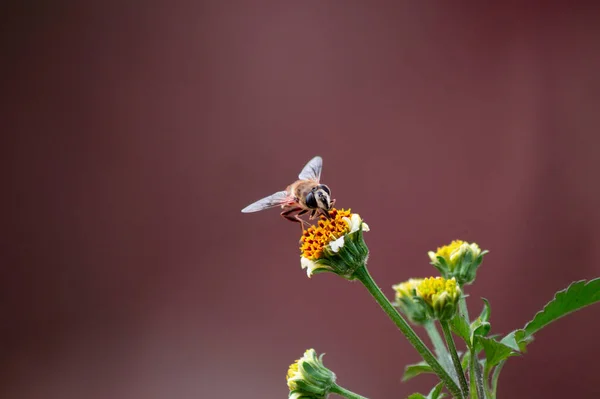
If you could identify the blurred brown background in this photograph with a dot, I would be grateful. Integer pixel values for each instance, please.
(135, 132)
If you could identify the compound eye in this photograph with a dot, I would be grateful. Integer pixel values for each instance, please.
(311, 201)
(325, 188)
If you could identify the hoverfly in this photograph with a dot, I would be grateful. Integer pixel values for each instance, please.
(304, 195)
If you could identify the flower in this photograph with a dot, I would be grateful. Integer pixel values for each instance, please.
(415, 310)
(308, 378)
(440, 295)
(459, 259)
(334, 244)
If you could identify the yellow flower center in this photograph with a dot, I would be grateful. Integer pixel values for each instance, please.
(447, 250)
(434, 286)
(292, 371)
(316, 237)
(407, 288)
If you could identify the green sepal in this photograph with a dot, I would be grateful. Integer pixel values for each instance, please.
(442, 267)
(304, 395)
(352, 255)
(578, 295)
(413, 370)
(495, 351)
(303, 386)
(414, 308)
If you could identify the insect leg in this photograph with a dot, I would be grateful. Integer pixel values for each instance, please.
(291, 214)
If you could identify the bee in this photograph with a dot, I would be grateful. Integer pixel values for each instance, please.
(305, 195)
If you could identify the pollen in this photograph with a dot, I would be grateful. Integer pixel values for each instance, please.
(316, 237)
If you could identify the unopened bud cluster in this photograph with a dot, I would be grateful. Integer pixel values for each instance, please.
(458, 260)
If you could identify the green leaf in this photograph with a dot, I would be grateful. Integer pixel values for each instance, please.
(575, 297)
(479, 328)
(417, 396)
(486, 312)
(464, 362)
(413, 370)
(495, 351)
(436, 392)
(460, 326)
(517, 340)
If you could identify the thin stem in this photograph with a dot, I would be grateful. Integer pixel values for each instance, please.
(472, 384)
(364, 277)
(436, 338)
(495, 376)
(486, 379)
(440, 348)
(455, 359)
(345, 393)
(476, 370)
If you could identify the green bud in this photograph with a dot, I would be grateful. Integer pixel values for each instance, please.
(308, 378)
(458, 260)
(414, 309)
(440, 296)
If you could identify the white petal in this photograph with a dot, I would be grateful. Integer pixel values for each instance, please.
(432, 256)
(308, 264)
(337, 244)
(354, 222)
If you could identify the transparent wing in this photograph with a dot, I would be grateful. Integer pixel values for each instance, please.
(277, 199)
(312, 170)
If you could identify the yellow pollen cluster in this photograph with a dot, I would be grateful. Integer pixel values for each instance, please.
(436, 285)
(447, 250)
(316, 237)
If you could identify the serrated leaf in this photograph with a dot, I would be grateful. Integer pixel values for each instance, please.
(436, 392)
(495, 351)
(460, 326)
(578, 295)
(413, 370)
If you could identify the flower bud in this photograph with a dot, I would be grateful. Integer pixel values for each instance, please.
(308, 378)
(459, 260)
(415, 310)
(440, 296)
(335, 245)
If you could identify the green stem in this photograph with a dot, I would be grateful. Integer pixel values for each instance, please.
(345, 393)
(476, 374)
(440, 348)
(455, 359)
(436, 338)
(495, 376)
(472, 384)
(364, 277)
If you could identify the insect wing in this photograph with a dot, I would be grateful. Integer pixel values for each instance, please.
(312, 170)
(277, 199)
